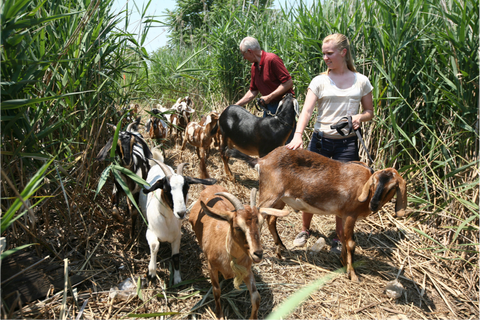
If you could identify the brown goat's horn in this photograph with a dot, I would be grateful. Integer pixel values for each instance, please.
(166, 170)
(234, 200)
(180, 168)
(253, 198)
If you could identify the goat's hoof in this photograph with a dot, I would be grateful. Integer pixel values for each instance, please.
(116, 215)
(278, 252)
(353, 277)
(151, 279)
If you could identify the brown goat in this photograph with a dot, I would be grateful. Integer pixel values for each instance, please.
(200, 136)
(156, 127)
(216, 136)
(229, 234)
(313, 183)
(180, 119)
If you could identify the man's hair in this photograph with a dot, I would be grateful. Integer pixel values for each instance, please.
(249, 43)
(341, 42)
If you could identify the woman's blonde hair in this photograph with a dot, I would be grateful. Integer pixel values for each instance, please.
(341, 42)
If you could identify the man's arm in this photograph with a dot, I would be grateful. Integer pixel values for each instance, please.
(281, 89)
(247, 98)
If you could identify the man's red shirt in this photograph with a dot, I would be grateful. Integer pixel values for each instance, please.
(269, 74)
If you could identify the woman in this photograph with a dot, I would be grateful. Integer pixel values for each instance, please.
(338, 92)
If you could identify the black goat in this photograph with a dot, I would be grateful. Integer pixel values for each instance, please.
(253, 135)
(133, 153)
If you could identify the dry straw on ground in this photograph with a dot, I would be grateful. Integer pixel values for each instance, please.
(436, 285)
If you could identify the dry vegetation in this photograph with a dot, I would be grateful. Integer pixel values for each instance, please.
(387, 248)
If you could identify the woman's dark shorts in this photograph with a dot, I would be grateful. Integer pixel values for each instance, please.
(339, 149)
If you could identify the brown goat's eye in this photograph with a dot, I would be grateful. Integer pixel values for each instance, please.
(238, 229)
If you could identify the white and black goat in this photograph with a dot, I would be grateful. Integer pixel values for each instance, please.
(132, 152)
(164, 204)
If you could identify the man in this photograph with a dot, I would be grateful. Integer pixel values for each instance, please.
(269, 76)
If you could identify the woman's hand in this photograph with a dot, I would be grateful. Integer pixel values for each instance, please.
(356, 121)
(296, 142)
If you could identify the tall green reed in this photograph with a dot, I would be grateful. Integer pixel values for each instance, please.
(61, 71)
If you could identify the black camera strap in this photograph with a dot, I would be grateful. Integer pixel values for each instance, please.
(347, 121)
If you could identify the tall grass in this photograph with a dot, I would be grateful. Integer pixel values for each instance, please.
(62, 74)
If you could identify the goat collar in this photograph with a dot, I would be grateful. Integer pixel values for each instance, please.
(261, 104)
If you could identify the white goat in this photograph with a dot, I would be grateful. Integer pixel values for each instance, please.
(165, 208)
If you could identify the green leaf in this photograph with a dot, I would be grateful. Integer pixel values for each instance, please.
(102, 180)
(125, 188)
(18, 103)
(30, 188)
(131, 175)
(295, 300)
(11, 251)
(462, 226)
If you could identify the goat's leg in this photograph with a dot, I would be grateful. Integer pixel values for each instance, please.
(216, 141)
(184, 143)
(176, 260)
(225, 159)
(272, 226)
(348, 246)
(254, 295)
(179, 137)
(154, 245)
(199, 154)
(115, 202)
(203, 166)
(217, 291)
(133, 214)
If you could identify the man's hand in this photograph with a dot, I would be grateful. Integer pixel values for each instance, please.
(266, 99)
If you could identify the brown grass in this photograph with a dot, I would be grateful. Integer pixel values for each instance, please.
(436, 287)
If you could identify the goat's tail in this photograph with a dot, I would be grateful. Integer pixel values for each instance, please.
(252, 162)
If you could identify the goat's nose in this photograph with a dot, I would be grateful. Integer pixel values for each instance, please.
(181, 214)
(258, 255)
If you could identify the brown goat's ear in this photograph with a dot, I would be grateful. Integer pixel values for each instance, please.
(151, 131)
(401, 203)
(274, 212)
(366, 190)
(216, 214)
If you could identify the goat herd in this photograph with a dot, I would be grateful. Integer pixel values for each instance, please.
(227, 230)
